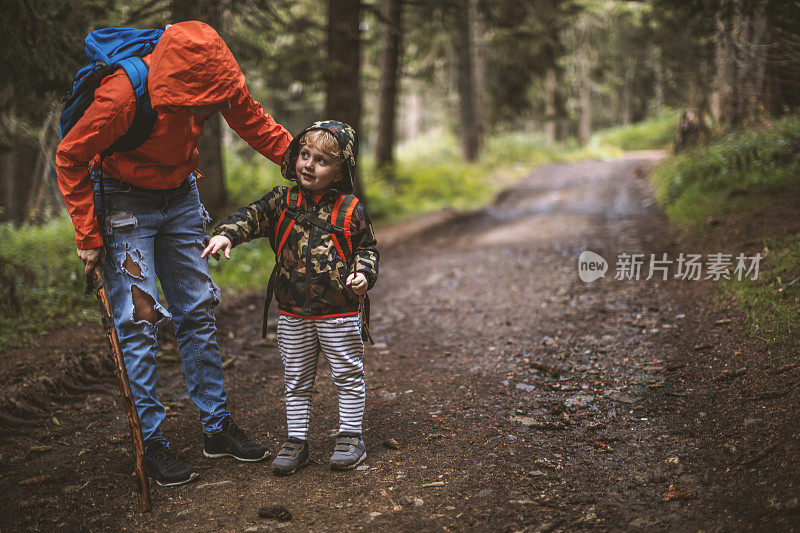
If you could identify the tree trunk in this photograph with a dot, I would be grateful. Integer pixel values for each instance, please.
(627, 89)
(18, 157)
(585, 85)
(478, 30)
(550, 105)
(465, 80)
(752, 50)
(212, 188)
(658, 71)
(555, 116)
(44, 197)
(387, 91)
(343, 88)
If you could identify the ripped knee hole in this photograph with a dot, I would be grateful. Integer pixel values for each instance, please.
(144, 306)
(132, 267)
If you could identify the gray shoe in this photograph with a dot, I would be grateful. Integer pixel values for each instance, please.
(293, 455)
(350, 451)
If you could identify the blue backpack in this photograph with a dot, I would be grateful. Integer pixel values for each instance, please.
(109, 49)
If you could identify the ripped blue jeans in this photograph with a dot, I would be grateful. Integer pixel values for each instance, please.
(161, 234)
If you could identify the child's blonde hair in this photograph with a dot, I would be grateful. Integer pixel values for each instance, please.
(325, 141)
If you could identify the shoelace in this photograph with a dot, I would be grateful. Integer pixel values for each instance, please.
(167, 457)
(237, 434)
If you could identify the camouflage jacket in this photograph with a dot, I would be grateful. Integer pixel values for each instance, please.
(312, 272)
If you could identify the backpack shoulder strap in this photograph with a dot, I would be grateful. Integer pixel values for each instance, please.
(283, 227)
(341, 217)
(286, 223)
(145, 117)
(137, 71)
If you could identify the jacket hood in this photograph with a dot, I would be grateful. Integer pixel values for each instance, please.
(348, 144)
(192, 65)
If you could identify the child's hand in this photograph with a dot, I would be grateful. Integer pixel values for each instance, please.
(217, 243)
(358, 282)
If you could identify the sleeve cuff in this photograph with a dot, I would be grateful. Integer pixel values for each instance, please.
(91, 242)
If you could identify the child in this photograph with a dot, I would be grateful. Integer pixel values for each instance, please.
(326, 259)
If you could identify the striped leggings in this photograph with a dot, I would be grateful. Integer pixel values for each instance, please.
(300, 341)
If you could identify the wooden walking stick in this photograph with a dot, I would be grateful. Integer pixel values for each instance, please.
(124, 389)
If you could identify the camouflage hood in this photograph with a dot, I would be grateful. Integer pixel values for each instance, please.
(348, 144)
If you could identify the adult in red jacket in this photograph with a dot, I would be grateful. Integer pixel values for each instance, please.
(155, 225)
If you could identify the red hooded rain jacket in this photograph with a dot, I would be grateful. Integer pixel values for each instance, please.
(190, 66)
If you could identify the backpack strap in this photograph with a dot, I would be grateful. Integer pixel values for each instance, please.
(285, 224)
(282, 229)
(145, 117)
(341, 218)
(334, 217)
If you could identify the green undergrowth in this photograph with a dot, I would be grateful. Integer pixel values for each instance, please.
(739, 174)
(772, 302)
(654, 133)
(41, 281)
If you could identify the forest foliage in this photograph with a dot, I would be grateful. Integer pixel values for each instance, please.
(402, 68)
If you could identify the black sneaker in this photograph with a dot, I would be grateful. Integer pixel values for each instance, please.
(293, 455)
(233, 442)
(165, 467)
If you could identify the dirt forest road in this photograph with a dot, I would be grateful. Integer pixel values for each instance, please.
(504, 394)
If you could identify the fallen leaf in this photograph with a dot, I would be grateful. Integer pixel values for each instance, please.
(602, 447)
(38, 480)
(391, 443)
(675, 494)
(40, 449)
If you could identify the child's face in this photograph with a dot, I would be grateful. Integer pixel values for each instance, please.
(316, 170)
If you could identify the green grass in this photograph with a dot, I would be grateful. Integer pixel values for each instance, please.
(732, 174)
(46, 277)
(654, 133)
(741, 173)
(772, 302)
(249, 267)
